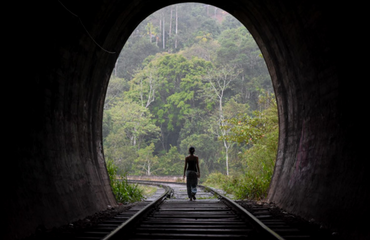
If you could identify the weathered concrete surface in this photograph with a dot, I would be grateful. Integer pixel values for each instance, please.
(312, 49)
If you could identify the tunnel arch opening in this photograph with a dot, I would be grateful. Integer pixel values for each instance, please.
(210, 40)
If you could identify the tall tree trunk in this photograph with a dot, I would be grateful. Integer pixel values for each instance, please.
(227, 146)
(148, 173)
(219, 81)
(115, 68)
(160, 25)
(160, 29)
(176, 29)
(164, 33)
(170, 30)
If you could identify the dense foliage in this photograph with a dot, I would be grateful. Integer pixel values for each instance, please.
(123, 191)
(259, 135)
(190, 74)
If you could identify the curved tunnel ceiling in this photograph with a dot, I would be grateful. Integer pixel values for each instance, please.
(58, 154)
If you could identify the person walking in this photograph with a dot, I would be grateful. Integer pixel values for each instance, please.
(192, 172)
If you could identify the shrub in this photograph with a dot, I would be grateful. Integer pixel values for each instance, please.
(123, 191)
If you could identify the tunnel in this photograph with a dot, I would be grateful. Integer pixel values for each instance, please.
(63, 53)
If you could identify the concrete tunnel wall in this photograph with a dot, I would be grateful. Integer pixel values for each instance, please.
(56, 121)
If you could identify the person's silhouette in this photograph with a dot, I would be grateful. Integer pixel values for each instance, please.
(192, 172)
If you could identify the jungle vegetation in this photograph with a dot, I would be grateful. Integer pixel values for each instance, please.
(192, 75)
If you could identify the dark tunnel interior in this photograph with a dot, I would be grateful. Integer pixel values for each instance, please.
(312, 50)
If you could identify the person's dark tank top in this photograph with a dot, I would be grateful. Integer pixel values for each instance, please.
(192, 164)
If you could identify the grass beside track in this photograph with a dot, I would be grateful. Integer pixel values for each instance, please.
(147, 190)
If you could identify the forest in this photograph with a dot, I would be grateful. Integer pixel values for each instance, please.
(192, 75)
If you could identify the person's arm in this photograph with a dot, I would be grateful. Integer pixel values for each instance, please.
(198, 167)
(185, 168)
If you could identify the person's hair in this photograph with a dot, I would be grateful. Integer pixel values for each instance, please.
(191, 150)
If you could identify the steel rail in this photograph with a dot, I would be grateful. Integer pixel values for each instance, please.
(122, 229)
(255, 221)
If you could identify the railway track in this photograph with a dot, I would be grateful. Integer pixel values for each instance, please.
(178, 218)
(170, 215)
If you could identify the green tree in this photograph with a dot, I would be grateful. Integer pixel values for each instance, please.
(172, 162)
(144, 85)
(135, 121)
(146, 163)
(118, 149)
(205, 50)
(250, 129)
(237, 47)
(151, 31)
(219, 80)
(260, 134)
(132, 56)
(179, 82)
(116, 88)
(131, 127)
(230, 23)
